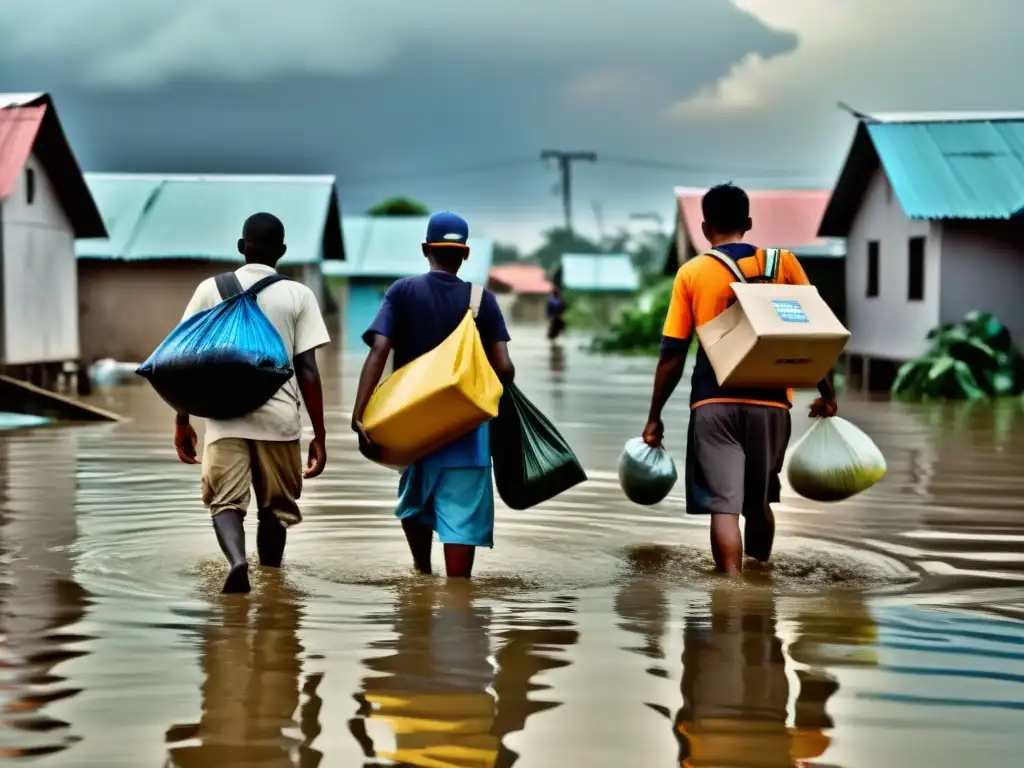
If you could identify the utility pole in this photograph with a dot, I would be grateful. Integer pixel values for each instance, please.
(565, 161)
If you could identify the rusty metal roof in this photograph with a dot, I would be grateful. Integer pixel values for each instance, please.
(782, 218)
(19, 127)
(50, 146)
(522, 278)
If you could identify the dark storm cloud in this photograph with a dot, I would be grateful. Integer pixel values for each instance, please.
(447, 93)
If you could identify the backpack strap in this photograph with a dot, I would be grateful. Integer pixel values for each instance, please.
(476, 297)
(265, 282)
(227, 285)
(772, 259)
(729, 263)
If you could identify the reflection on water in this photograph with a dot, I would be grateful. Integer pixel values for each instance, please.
(736, 691)
(443, 698)
(556, 361)
(251, 689)
(556, 364)
(595, 634)
(41, 602)
(434, 700)
(735, 686)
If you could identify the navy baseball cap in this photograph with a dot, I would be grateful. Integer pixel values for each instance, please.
(447, 228)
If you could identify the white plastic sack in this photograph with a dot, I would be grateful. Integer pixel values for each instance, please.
(646, 474)
(833, 461)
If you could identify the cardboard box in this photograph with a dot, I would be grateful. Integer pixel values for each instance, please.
(773, 336)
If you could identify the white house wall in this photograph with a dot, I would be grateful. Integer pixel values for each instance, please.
(40, 283)
(983, 268)
(889, 326)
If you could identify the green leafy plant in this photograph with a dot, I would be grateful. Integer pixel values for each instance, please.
(638, 329)
(973, 359)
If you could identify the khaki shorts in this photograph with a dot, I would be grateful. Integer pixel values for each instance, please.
(231, 466)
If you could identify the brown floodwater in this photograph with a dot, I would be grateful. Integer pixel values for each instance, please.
(888, 633)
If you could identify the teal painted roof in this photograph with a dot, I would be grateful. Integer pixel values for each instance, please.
(151, 217)
(954, 170)
(600, 272)
(388, 247)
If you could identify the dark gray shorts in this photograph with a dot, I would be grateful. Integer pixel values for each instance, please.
(734, 454)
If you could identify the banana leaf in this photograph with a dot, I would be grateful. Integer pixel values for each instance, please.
(969, 360)
(987, 328)
(532, 462)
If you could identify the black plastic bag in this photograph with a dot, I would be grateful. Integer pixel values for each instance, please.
(223, 362)
(532, 461)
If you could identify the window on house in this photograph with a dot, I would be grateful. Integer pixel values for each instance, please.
(872, 291)
(915, 264)
(30, 185)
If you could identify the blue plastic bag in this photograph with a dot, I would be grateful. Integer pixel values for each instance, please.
(223, 362)
(646, 474)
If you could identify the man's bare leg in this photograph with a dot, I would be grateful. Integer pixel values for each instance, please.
(727, 544)
(421, 538)
(458, 560)
(759, 536)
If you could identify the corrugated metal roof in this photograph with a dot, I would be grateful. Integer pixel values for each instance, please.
(54, 153)
(19, 127)
(389, 247)
(943, 117)
(152, 217)
(19, 99)
(600, 272)
(954, 170)
(782, 218)
(522, 278)
(952, 166)
(121, 203)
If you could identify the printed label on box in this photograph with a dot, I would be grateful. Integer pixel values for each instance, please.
(790, 311)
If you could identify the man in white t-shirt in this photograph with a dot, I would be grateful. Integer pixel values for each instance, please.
(261, 450)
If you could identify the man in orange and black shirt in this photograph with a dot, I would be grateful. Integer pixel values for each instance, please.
(737, 436)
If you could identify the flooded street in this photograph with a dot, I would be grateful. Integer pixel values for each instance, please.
(889, 632)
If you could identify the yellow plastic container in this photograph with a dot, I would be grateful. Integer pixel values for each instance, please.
(437, 398)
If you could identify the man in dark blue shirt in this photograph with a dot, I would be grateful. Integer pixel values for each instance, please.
(449, 491)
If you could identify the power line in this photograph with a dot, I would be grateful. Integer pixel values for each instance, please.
(443, 172)
(664, 165)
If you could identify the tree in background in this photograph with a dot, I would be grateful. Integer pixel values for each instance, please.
(399, 206)
(557, 241)
(651, 252)
(505, 253)
(647, 250)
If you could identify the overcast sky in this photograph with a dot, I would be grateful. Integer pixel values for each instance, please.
(395, 97)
